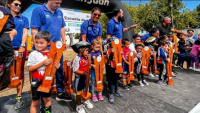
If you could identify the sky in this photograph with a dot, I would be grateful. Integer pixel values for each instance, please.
(190, 4)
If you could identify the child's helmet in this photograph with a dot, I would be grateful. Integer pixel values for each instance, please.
(150, 39)
(81, 44)
(139, 44)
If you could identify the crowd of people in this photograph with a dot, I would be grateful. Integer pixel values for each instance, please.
(47, 25)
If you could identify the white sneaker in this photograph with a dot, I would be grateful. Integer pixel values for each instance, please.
(151, 75)
(191, 68)
(140, 83)
(156, 75)
(198, 70)
(88, 104)
(145, 82)
(80, 108)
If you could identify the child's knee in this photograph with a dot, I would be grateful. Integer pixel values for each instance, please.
(35, 103)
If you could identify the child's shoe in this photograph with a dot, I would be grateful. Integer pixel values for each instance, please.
(159, 82)
(125, 87)
(88, 104)
(196, 69)
(145, 82)
(151, 75)
(191, 68)
(140, 83)
(80, 108)
(130, 85)
(19, 103)
(111, 98)
(94, 98)
(119, 93)
(100, 97)
(164, 82)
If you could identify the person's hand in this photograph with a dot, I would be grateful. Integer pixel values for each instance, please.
(47, 61)
(128, 63)
(65, 46)
(85, 73)
(21, 51)
(168, 60)
(121, 52)
(112, 50)
(134, 26)
(57, 65)
(94, 66)
(12, 34)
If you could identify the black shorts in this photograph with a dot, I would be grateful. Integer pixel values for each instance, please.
(37, 94)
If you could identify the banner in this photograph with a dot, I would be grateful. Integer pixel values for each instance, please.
(74, 20)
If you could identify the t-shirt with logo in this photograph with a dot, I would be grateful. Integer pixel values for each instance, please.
(91, 31)
(115, 28)
(35, 58)
(21, 22)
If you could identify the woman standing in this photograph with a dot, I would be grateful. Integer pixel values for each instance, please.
(19, 42)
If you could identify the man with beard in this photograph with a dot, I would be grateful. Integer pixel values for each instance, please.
(115, 27)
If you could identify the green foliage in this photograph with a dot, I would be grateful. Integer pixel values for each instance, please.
(152, 13)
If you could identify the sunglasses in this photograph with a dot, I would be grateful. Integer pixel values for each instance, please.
(99, 15)
(16, 4)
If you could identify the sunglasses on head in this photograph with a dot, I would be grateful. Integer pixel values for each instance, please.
(16, 4)
(97, 14)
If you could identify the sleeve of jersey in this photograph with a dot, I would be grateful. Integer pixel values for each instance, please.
(75, 64)
(31, 59)
(162, 54)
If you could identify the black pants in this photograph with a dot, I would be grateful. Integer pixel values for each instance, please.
(6, 48)
(141, 75)
(112, 79)
(163, 71)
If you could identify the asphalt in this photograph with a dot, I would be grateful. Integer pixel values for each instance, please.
(155, 98)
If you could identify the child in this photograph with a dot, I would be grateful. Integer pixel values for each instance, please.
(151, 42)
(194, 54)
(181, 49)
(6, 36)
(37, 62)
(112, 77)
(136, 39)
(95, 45)
(138, 64)
(162, 60)
(126, 64)
(80, 68)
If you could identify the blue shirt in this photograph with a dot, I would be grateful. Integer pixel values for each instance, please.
(44, 20)
(91, 31)
(21, 22)
(9, 25)
(195, 38)
(115, 28)
(145, 37)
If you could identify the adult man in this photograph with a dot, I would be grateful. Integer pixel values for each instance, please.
(48, 17)
(191, 34)
(92, 29)
(115, 27)
(165, 28)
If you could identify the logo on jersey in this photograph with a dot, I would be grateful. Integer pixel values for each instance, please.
(59, 16)
(89, 28)
(47, 16)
